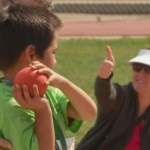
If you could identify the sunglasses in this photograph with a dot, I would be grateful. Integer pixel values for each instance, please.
(137, 67)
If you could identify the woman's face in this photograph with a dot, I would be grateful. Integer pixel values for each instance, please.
(141, 78)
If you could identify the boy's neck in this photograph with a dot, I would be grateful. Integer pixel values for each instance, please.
(11, 72)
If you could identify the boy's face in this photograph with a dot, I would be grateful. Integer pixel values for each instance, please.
(49, 55)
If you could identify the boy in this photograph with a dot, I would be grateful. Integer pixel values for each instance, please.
(4, 3)
(29, 36)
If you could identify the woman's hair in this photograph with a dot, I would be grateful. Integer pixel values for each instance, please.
(21, 26)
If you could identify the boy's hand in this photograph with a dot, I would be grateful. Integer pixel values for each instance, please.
(54, 79)
(36, 104)
(4, 143)
(107, 65)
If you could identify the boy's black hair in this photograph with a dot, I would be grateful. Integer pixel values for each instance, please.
(21, 26)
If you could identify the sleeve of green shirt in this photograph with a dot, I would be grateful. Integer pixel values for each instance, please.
(63, 101)
(16, 124)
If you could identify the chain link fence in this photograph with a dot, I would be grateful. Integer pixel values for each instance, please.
(102, 6)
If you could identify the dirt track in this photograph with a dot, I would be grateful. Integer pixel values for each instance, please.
(105, 25)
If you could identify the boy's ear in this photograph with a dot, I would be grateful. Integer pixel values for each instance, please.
(30, 53)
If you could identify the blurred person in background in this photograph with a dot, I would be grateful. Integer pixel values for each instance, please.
(45, 3)
(123, 121)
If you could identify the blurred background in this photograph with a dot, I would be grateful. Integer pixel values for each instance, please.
(88, 27)
(102, 6)
(104, 17)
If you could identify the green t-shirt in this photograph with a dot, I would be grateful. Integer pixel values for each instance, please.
(17, 124)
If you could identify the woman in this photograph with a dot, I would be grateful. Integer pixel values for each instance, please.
(123, 110)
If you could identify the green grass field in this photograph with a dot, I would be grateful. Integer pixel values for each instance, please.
(79, 60)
